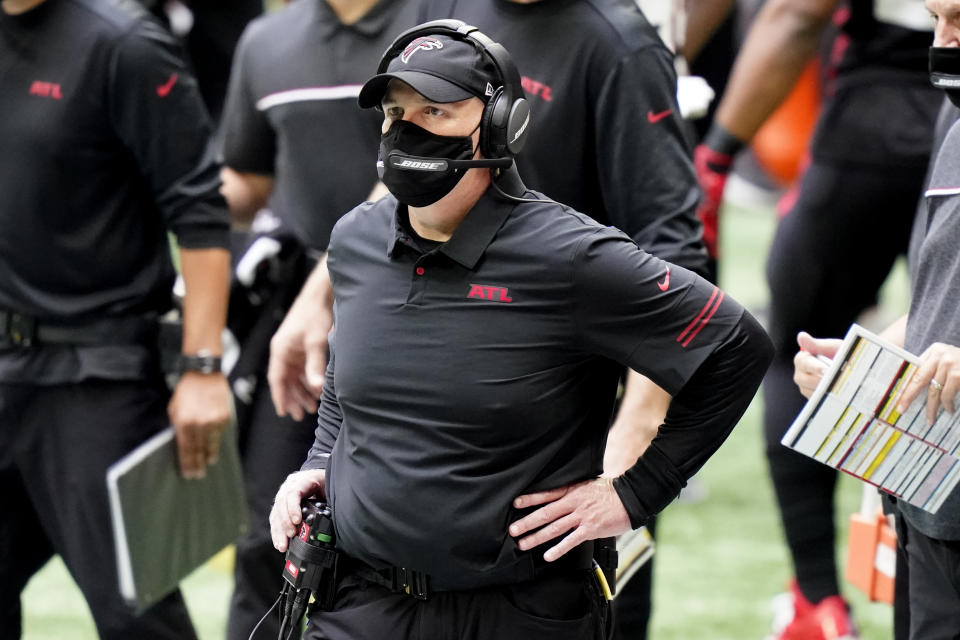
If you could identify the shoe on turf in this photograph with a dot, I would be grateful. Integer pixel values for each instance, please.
(796, 618)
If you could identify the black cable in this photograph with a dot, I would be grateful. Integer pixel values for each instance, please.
(515, 198)
(285, 613)
(275, 603)
(297, 609)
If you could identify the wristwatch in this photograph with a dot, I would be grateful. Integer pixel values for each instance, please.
(202, 361)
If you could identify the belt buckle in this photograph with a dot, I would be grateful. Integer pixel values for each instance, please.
(19, 329)
(414, 583)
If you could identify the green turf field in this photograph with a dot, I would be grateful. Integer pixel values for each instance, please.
(718, 562)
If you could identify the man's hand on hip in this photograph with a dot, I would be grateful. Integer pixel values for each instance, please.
(587, 510)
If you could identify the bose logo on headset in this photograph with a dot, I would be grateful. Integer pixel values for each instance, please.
(506, 116)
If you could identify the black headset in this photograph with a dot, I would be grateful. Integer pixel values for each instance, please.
(506, 116)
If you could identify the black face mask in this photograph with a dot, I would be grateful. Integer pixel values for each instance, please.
(945, 71)
(411, 163)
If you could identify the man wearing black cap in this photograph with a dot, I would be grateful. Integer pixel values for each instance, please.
(481, 330)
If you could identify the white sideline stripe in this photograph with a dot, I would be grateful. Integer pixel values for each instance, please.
(949, 191)
(312, 93)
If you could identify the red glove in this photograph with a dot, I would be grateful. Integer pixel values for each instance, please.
(713, 160)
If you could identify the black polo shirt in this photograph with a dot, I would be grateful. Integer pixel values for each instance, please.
(292, 112)
(103, 150)
(486, 367)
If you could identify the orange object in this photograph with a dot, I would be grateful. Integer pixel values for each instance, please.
(872, 556)
(780, 144)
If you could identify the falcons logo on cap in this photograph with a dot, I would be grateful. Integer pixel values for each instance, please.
(425, 43)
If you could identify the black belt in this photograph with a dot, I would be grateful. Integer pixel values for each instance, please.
(27, 331)
(417, 584)
(396, 579)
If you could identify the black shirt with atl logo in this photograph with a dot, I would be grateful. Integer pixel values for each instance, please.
(467, 373)
(102, 151)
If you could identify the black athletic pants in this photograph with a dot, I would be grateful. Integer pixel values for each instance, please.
(829, 256)
(555, 606)
(56, 443)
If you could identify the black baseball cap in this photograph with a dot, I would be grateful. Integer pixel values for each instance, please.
(441, 68)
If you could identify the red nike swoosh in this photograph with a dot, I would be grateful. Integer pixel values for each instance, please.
(657, 117)
(666, 281)
(165, 88)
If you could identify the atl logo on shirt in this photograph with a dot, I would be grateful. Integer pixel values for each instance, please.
(46, 90)
(489, 292)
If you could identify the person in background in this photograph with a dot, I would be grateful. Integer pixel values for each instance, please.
(843, 227)
(104, 137)
(926, 603)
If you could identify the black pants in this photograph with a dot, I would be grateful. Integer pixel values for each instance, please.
(566, 606)
(830, 254)
(271, 448)
(934, 583)
(56, 443)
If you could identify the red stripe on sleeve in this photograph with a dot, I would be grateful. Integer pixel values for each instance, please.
(704, 322)
(699, 315)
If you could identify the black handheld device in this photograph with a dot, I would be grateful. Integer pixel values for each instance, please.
(309, 568)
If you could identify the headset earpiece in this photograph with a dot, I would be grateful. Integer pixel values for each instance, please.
(490, 138)
(503, 129)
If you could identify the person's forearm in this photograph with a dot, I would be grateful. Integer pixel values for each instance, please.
(782, 39)
(317, 291)
(896, 332)
(641, 412)
(700, 418)
(206, 276)
(245, 193)
(704, 17)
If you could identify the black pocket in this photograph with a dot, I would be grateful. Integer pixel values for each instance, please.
(558, 605)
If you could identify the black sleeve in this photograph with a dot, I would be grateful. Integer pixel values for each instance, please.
(249, 142)
(645, 163)
(683, 333)
(156, 110)
(329, 419)
(653, 316)
(700, 418)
